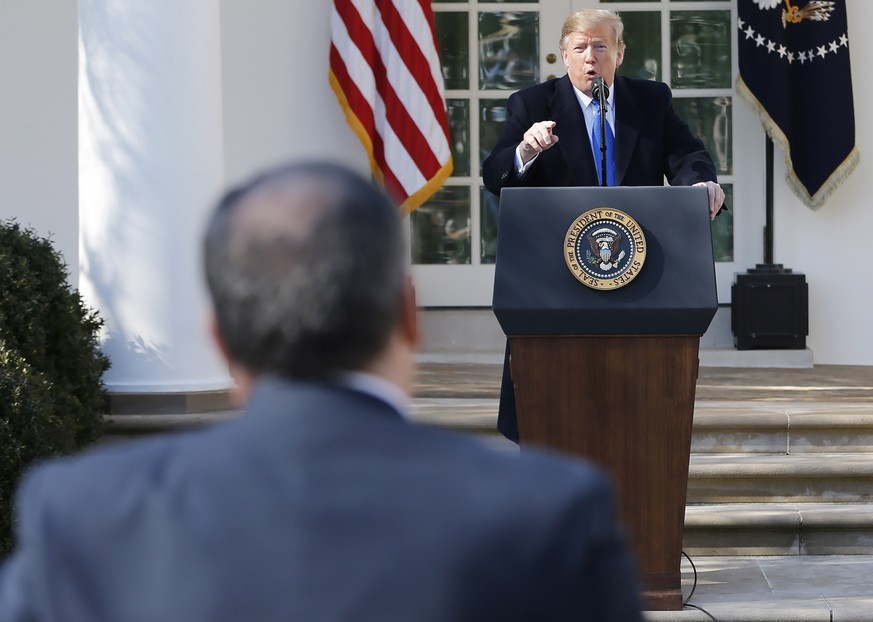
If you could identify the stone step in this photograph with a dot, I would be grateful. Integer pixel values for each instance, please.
(787, 427)
(796, 478)
(719, 426)
(779, 529)
(800, 504)
(714, 477)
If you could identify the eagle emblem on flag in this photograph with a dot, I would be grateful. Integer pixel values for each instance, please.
(781, 65)
(814, 11)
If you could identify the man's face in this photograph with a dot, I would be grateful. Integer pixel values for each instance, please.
(590, 54)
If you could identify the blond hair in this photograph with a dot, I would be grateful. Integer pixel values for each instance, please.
(589, 19)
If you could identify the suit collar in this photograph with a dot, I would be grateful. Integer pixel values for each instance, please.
(274, 393)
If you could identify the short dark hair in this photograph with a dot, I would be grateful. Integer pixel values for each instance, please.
(305, 265)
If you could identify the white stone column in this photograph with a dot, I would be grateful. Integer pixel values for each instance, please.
(150, 168)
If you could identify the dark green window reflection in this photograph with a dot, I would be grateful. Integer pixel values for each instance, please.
(509, 49)
(700, 49)
(488, 229)
(452, 29)
(513, 1)
(492, 117)
(626, 1)
(459, 127)
(642, 38)
(723, 228)
(441, 228)
(710, 120)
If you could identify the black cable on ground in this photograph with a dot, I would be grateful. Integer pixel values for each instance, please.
(694, 587)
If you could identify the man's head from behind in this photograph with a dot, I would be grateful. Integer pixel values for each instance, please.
(306, 270)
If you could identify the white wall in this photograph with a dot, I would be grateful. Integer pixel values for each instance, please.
(831, 246)
(38, 172)
(277, 101)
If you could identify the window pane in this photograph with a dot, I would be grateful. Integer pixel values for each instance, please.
(626, 1)
(710, 120)
(492, 117)
(459, 126)
(488, 218)
(513, 1)
(509, 47)
(700, 49)
(441, 228)
(723, 228)
(452, 29)
(642, 38)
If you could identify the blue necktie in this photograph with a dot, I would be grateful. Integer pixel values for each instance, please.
(610, 147)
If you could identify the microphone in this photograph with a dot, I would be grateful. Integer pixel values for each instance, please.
(600, 90)
(601, 93)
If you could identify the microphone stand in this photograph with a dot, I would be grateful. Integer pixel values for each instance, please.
(601, 91)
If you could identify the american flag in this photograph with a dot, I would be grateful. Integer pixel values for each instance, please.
(385, 71)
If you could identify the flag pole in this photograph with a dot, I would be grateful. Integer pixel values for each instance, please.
(768, 201)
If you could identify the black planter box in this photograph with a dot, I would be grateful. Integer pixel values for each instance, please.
(770, 309)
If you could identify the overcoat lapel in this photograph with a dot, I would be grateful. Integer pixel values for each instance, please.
(627, 114)
(574, 143)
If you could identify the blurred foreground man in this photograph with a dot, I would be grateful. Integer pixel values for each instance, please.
(321, 503)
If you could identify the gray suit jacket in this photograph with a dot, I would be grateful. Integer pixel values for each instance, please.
(320, 504)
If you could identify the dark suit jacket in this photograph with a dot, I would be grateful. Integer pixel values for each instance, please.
(320, 504)
(651, 141)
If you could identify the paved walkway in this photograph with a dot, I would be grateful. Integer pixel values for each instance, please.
(795, 588)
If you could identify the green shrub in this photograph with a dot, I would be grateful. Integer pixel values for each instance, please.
(51, 367)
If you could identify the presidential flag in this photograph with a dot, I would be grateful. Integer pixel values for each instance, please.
(794, 71)
(385, 71)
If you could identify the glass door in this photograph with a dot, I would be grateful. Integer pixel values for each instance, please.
(488, 50)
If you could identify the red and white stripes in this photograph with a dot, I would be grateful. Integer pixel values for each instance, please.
(385, 71)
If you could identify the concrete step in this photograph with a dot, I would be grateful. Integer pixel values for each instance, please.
(796, 478)
(816, 528)
(719, 426)
(782, 427)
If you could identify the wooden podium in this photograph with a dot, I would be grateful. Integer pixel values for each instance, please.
(610, 375)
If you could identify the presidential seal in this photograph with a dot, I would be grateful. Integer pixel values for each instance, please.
(605, 248)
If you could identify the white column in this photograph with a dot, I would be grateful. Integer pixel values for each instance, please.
(150, 168)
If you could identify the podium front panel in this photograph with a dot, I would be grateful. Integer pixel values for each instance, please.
(535, 293)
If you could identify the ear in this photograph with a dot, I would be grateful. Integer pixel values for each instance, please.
(409, 321)
(619, 57)
(243, 380)
(217, 338)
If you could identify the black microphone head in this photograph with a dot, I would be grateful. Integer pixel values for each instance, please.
(599, 89)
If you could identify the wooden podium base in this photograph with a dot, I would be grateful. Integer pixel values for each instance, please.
(625, 403)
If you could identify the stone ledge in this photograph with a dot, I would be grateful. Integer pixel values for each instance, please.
(168, 403)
